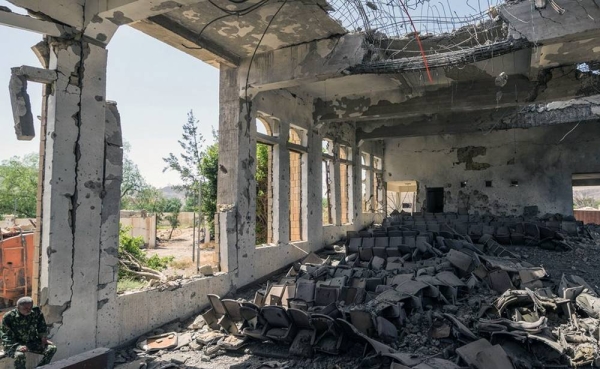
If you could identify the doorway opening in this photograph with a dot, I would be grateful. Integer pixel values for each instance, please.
(435, 200)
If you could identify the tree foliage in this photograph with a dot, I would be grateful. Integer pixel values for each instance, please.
(582, 201)
(18, 185)
(173, 219)
(198, 169)
(133, 261)
(133, 181)
(209, 169)
(262, 193)
(188, 162)
(151, 200)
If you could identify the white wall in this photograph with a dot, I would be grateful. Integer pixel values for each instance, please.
(535, 157)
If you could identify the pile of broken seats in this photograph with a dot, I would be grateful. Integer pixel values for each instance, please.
(476, 304)
(548, 232)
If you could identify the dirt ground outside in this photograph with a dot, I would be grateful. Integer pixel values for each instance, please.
(180, 247)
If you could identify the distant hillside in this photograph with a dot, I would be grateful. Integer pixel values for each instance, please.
(172, 193)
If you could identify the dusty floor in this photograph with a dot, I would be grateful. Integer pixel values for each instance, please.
(180, 247)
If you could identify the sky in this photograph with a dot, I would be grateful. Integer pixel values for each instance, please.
(154, 85)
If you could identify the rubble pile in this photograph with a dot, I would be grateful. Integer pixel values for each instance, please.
(426, 293)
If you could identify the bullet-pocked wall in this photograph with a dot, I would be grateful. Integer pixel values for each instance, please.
(500, 172)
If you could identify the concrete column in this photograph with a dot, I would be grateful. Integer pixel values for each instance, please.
(108, 320)
(281, 186)
(236, 163)
(72, 194)
(357, 189)
(313, 227)
(336, 188)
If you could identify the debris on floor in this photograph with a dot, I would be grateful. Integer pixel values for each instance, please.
(436, 292)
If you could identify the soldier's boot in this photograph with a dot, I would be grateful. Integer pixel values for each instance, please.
(19, 360)
(49, 352)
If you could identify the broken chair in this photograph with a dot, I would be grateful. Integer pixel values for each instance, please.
(326, 337)
(278, 325)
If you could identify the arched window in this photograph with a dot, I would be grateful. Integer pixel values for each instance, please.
(264, 182)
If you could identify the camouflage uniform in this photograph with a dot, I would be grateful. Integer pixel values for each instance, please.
(20, 330)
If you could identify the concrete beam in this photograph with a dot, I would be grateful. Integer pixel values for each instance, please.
(21, 107)
(225, 56)
(482, 94)
(183, 40)
(33, 74)
(19, 98)
(452, 123)
(69, 12)
(103, 17)
(572, 111)
(27, 23)
(300, 64)
(457, 96)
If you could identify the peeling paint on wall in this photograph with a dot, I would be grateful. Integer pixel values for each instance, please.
(467, 154)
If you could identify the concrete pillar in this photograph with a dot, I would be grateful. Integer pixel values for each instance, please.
(72, 194)
(281, 186)
(313, 227)
(108, 322)
(357, 188)
(236, 164)
(337, 195)
(206, 230)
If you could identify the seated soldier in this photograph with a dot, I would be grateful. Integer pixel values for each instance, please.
(24, 329)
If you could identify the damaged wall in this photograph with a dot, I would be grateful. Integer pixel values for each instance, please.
(534, 157)
(167, 304)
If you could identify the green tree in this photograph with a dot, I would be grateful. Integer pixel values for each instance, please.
(188, 163)
(18, 185)
(173, 218)
(134, 262)
(198, 169)
(133, 181)
(262, 193)
(209, 169)
(582, 201)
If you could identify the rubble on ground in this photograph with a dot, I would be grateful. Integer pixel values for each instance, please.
(435, 292)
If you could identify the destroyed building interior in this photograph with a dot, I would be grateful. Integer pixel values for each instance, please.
(445, 144)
